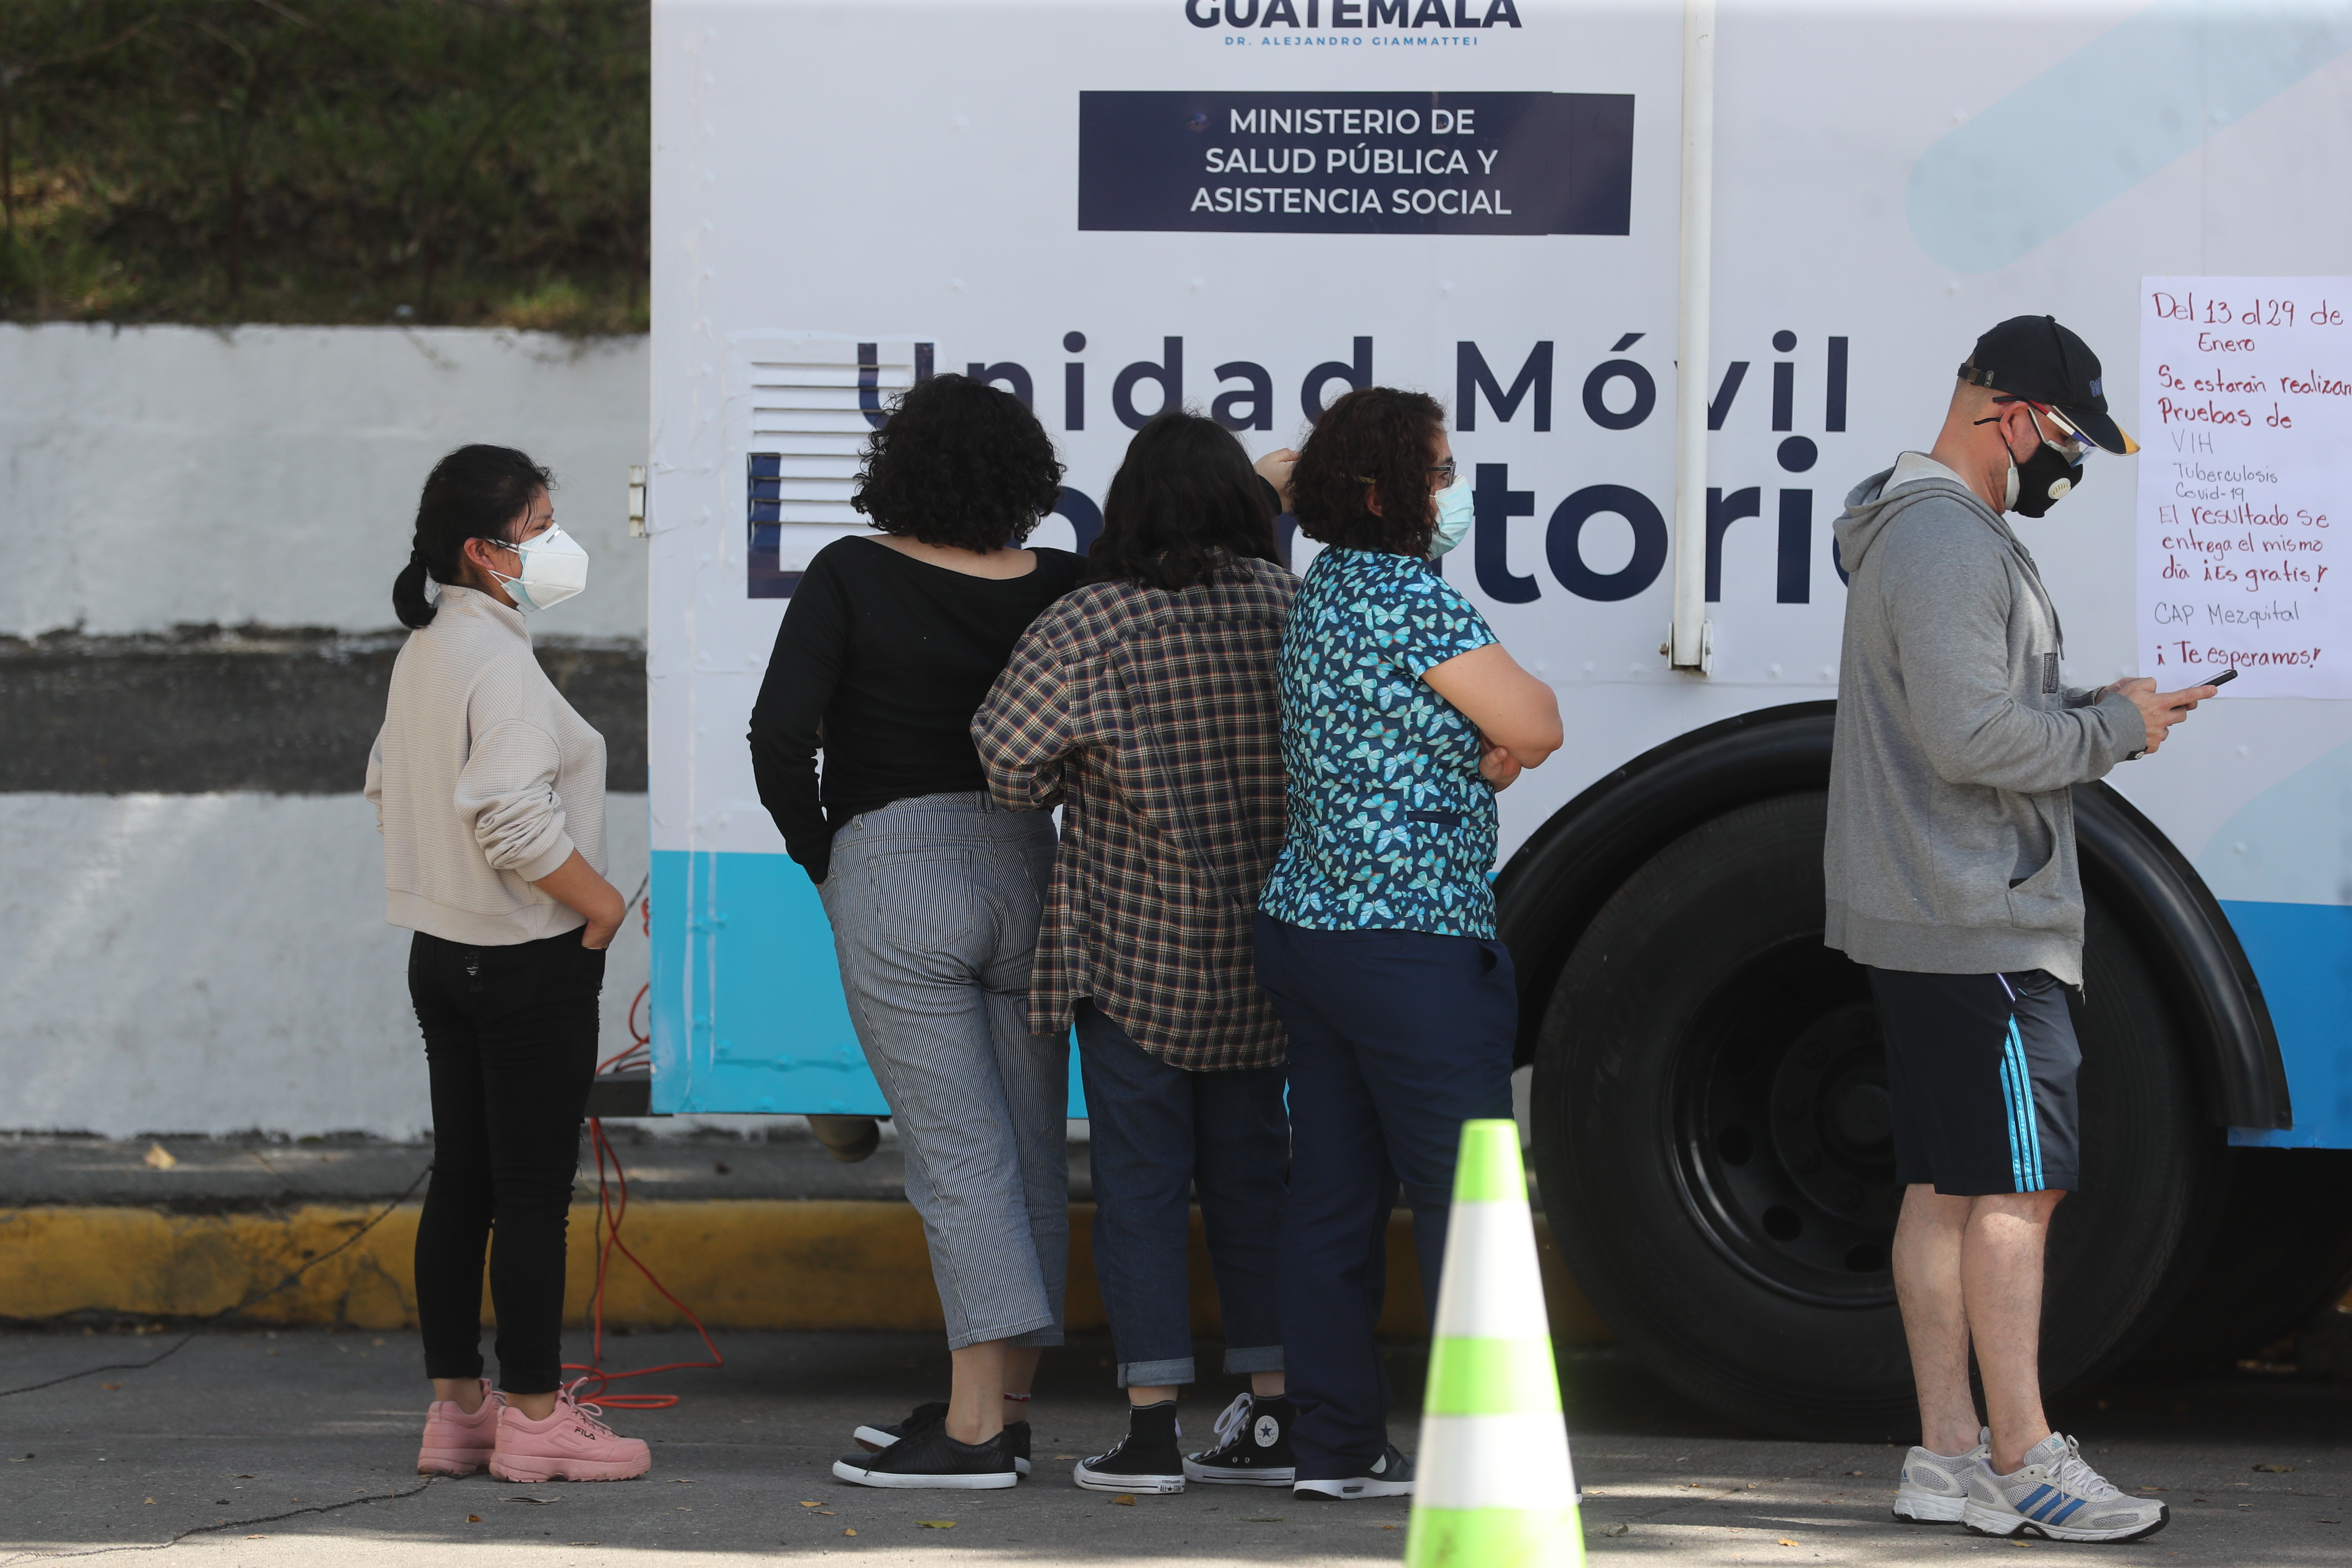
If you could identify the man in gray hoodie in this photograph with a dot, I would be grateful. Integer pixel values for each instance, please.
(1951, 874)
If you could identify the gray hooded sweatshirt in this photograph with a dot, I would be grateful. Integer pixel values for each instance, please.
(1951, 833)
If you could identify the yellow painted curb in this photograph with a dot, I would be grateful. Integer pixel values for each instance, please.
(739, 1263)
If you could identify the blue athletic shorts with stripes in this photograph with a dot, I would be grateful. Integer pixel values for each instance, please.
(1981, 1070)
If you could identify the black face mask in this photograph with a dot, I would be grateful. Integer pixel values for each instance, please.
(2043, 481)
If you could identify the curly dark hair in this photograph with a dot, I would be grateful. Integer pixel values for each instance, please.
(1183, 502)
(1377, 436)
(960, 464)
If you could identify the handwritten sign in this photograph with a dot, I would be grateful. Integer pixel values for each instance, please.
(2245, 483)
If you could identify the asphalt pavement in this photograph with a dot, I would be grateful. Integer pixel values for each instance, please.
(246, 1448)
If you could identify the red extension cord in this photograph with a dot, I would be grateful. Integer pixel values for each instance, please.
(589, 1387)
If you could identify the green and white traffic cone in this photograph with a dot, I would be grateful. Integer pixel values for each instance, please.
(1493, 1486)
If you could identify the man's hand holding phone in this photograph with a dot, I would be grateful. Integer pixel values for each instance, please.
(2160, 711)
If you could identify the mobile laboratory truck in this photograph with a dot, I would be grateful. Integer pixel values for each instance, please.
(1538, 210)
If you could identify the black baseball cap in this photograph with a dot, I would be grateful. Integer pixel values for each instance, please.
(2035, 359)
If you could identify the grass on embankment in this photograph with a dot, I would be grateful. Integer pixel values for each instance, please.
(478, 162)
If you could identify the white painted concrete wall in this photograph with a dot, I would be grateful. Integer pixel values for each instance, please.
(151, 477)
(220, 964)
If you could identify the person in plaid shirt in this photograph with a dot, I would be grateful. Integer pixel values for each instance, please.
(1144, 704)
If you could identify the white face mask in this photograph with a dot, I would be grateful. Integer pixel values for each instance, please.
(1456, 510)
(554, 568)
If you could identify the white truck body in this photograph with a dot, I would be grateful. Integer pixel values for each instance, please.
(1107, 203)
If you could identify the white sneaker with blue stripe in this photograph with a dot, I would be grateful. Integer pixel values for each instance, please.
(2054, 1494)
(1935, 1487)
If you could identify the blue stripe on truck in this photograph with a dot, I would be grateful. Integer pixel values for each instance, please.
(746, 1005)
(2301, 953)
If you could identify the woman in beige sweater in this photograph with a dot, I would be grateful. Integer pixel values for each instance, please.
(489, 792)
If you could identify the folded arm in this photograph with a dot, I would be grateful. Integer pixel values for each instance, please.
(1516, 712)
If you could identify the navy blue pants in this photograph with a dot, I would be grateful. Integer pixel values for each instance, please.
(1160, 1135)
(1396, 1038)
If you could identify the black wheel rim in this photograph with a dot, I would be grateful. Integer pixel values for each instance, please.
(1783, 1129)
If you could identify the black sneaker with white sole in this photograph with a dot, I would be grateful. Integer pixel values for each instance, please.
(1146, 1460)
(875, 1438)
(931, 1459)
(1253, 1447)
(1390, 1475)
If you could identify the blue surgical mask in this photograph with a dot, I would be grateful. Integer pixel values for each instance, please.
(1455, 513)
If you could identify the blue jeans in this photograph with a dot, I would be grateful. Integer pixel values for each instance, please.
(1160, 1135)
(1396, 1038)
(934, 904)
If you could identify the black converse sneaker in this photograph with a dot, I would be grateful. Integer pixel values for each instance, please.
(931, 1459)
(875, 1438)
(1146, 1460)
(1390, 1474)
(1253, 1447)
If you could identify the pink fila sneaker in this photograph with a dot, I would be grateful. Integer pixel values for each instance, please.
(457, 1444)
(571, 1445)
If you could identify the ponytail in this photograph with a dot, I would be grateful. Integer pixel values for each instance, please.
(474, 492)
(408, 600)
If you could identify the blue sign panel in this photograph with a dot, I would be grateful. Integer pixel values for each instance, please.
(1357, 163)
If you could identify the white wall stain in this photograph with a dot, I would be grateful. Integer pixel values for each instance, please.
(166, 476)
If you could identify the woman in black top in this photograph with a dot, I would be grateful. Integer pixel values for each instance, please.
(934, 892)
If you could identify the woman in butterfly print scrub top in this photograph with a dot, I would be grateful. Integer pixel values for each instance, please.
(1401, 718)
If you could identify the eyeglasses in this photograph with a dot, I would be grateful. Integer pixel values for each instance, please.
(2069, 443)
(1446, 472)
(2071, 439)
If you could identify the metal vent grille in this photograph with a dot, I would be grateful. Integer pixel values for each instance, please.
(814, 403)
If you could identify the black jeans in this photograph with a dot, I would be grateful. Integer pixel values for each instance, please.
(510, 1043)
(1160, 1135)
(1396, 1038)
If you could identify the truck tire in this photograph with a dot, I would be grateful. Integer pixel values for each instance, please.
(1714, 1145)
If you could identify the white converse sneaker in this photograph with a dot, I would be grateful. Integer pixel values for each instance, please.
(2054, 1494)
(1252, 1446)
(1935, 1487)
